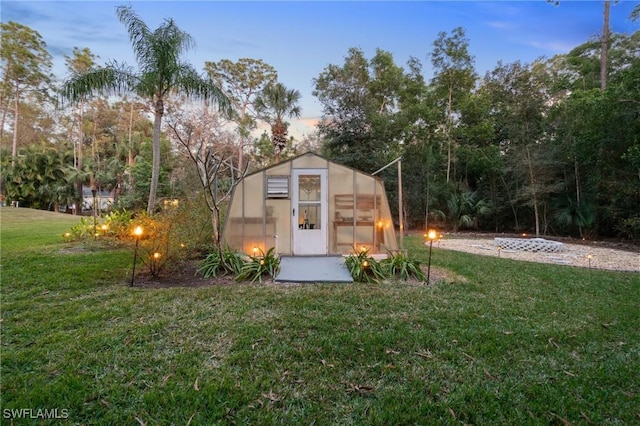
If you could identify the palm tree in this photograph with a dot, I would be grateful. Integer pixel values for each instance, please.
(274, 104)
(161, 73)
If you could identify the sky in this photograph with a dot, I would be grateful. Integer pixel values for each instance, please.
(300, 38)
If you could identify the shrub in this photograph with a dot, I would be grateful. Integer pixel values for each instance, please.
(118, 223)
(629, 228)
(214, 265)
(259, 266)
(403, 267)
(192, 230)
(180, 232)
(80, 231)
(364, 268)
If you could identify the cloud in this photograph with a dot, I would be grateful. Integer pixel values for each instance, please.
(556, 46)
(309, 121)
(502, 25)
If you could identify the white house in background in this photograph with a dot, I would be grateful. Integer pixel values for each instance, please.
(104, 199)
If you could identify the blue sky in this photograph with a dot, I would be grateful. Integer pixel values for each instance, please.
(300, 38)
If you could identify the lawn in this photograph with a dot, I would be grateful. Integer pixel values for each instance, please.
(507, 343)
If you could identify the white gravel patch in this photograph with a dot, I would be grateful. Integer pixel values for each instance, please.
(584, 256)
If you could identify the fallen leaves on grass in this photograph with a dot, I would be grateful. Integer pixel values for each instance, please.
(425, 354)
(564, 421)
(489, 375)
(355, 388)
(271, 396)
(326, 364)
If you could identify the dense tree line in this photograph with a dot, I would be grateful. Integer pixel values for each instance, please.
(542, 147)
(538, 148)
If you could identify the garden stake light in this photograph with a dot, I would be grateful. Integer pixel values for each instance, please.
(136, 233)
(431, 235)
(94, 191)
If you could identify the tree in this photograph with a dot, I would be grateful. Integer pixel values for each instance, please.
(635, 14)
(274, 104)
(343, 93)
(361, 99)
(78, 64)
(205, 142)
(161, 74)
(604, 51)
(39, 177)
(454, 77)
(604, 39)
(519, 98)
(242, 81)
(26, 68)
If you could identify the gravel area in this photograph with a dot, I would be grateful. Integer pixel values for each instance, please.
(573, 255)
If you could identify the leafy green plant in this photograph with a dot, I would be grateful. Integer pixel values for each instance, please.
(80, 231)
(118, 223)
(214, 265)
(364, 268)
(402, 266)
(629, 228)
(259, 266)
(177, 234)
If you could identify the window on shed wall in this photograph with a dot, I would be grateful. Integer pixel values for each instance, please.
(277, 187)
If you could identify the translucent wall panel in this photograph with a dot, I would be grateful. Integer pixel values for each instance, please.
(279, 212)
(341, 209)
(367, 204)
(309, 161)
(254, 213)
(234, 223)
(385, 233)
(283, 169)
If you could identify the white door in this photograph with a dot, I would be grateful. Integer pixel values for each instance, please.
(310, 211)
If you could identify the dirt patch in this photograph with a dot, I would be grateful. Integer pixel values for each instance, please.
(186, 276)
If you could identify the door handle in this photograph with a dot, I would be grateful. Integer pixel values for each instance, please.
(294, 212)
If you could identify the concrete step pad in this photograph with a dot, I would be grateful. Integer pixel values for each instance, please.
(313, 269)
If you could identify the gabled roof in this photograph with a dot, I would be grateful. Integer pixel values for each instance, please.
(315, 154)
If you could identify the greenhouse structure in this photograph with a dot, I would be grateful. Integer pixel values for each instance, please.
(310, 206)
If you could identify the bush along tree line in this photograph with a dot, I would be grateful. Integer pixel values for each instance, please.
(548, 147)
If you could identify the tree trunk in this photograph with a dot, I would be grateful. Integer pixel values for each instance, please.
(244, 133)
(449, 126)
(80, 160)
(155, 168)
(130, 159)
(604, 52)
(14, 149)
(4, 116)
(577, 175)
(534, 192)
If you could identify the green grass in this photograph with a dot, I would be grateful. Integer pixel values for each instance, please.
(511, 343)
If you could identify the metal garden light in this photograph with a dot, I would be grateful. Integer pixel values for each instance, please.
(137, 233)
(93, 192)
(431, 235)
